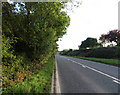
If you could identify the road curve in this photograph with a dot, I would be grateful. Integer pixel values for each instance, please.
(82, 76)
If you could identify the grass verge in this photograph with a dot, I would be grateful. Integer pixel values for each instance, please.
(0, 79)
(37, 83)
(114, 62)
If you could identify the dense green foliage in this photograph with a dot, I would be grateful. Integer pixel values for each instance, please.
(36, 28)
(104, 52)
(89, 43)
(108, 55)
(38, 83)
(113, 35)
(80, 52)
(29, 36)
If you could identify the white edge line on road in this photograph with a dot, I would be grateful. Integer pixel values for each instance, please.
(84, 66)
(115, 79)
(58, 90)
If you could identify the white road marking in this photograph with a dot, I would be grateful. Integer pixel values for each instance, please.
(115, 79)
(103, 73)
(58, 90)
(84, 66)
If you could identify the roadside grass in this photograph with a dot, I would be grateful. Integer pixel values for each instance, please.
(38, 83)
(114, 62)
(0, 79)
(0, 70)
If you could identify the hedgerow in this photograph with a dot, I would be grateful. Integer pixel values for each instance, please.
(29, 36)
(103, 52)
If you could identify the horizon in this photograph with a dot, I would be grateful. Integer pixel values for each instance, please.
(90, 17)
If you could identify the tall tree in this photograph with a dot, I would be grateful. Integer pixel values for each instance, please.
(36, 27)
(102, 39)
(89, 43)
(113, 35)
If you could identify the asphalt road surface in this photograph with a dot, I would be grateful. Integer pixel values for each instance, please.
(82, 76)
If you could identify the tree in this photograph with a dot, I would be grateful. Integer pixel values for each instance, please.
(113, 35)
(38, 26)
(102, 39)
(29, 36)
(89, 43)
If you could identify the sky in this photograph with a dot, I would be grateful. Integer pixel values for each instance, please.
(91, 19)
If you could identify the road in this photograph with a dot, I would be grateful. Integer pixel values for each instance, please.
(82, 76)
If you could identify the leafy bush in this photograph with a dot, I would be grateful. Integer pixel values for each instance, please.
(105, 52)
(117, 53)
(29, 38)
(73, 53)
(64, 52)
(39, 82)
(80, 52)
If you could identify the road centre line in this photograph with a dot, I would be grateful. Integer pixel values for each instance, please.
(114, 79)
(103, 73)
(84, 66)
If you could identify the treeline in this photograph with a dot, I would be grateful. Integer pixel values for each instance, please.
(101, 52)
(29, 35)
(91, 48)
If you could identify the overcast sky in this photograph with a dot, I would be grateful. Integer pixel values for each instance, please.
(91, 19)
